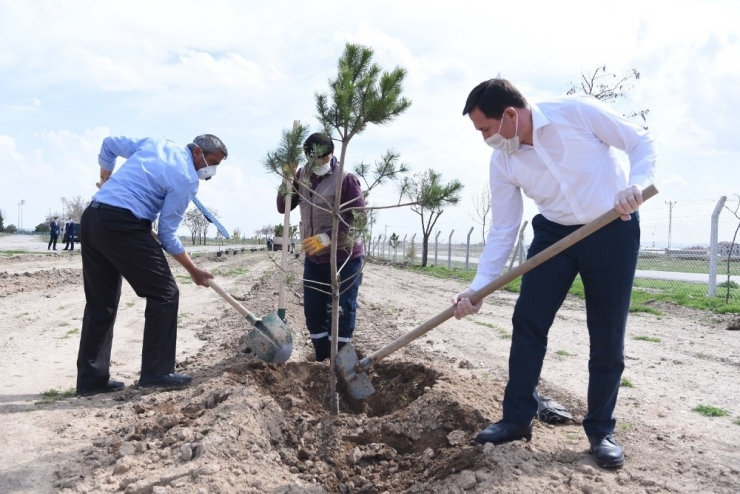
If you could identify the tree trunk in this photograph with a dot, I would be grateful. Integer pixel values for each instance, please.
(424, 249)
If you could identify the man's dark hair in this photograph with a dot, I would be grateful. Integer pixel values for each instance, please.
(210, 144)
(494, 96)
(318, 143)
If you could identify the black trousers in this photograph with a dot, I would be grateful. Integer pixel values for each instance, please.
(606, 261)
(115, 245)
(53, 241)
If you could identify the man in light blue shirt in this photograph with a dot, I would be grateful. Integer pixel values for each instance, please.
(158, 179)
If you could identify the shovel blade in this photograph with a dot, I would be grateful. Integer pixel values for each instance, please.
(270, 340)
(357, 383)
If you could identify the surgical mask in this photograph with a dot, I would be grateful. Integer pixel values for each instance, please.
(208, 172)
(499, 142)
(322, 170)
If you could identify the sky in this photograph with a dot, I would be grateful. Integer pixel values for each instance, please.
(73, 72)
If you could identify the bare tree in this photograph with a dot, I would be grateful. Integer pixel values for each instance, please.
(193, 219)
(608, 87)
(74, 207)
(482, 208)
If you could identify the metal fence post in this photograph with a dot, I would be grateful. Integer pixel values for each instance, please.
(467, 249)
(403, 247)
(436, 244)
(449, 250)
(713, 246)
(413, 244)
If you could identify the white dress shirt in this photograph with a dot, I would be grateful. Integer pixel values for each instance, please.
(571, 172)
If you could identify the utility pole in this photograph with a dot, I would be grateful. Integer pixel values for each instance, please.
(670, 220)
(20, 215)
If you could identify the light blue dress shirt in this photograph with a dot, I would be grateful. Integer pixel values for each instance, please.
(158, 178)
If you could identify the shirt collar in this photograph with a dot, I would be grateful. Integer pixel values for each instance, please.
(539, 119)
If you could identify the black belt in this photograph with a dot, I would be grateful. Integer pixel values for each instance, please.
(100, 205)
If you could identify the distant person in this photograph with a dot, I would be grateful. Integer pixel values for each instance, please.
(159, 178)
(53, 233)
(269, 244)
(561, 154)
(316, 224)
(69, 235)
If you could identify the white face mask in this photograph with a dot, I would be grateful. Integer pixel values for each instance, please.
(322, 170)
(497, 141)
(208, 172)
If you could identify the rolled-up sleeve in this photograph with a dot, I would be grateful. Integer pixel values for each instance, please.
(114, 147)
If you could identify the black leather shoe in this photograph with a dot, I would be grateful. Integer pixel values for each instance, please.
(108, 388)
(503, 432)
(607, 452)
(172, 380)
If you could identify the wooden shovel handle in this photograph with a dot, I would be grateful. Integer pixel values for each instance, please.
(502, 280)
(234, 303)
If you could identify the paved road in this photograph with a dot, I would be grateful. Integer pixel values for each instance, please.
(35, 243)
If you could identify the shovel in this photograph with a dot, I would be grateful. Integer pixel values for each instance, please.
(353, 371)
(270, 340)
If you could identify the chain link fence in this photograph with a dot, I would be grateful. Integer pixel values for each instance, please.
(689, 249)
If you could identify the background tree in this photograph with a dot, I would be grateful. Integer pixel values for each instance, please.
(482, 208)
(193, 220)
(2, 219)
(74, 207)
(736, 214)
(42, 228)
(11, 229)
(609, 87)
(431, 196)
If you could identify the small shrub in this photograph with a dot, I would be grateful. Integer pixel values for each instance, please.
(626, 383)
(709, 411)
(564, 353)
(647, 338)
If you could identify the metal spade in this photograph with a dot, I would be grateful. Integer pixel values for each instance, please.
(271, 339)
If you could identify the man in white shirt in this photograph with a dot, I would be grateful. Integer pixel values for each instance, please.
(560, 153)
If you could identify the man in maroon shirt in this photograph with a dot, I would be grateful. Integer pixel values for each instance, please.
(315, 194)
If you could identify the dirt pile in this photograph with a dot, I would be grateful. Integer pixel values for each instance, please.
(250, 427)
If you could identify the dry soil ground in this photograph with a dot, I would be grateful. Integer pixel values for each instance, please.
(245, 426)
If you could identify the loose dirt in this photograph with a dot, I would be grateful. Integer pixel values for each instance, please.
(249, 427)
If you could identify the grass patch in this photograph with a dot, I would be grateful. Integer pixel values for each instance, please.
(626, 383)
(651, 339)
(644, 293)
(736, 421)
(624, 427)
(230, 272)
(70, 333)
(63, 324)
(486, 324)
(709, 411)
(565, 353)
(10, 253)
(53, 395)
(130, 304)
(184, 279)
